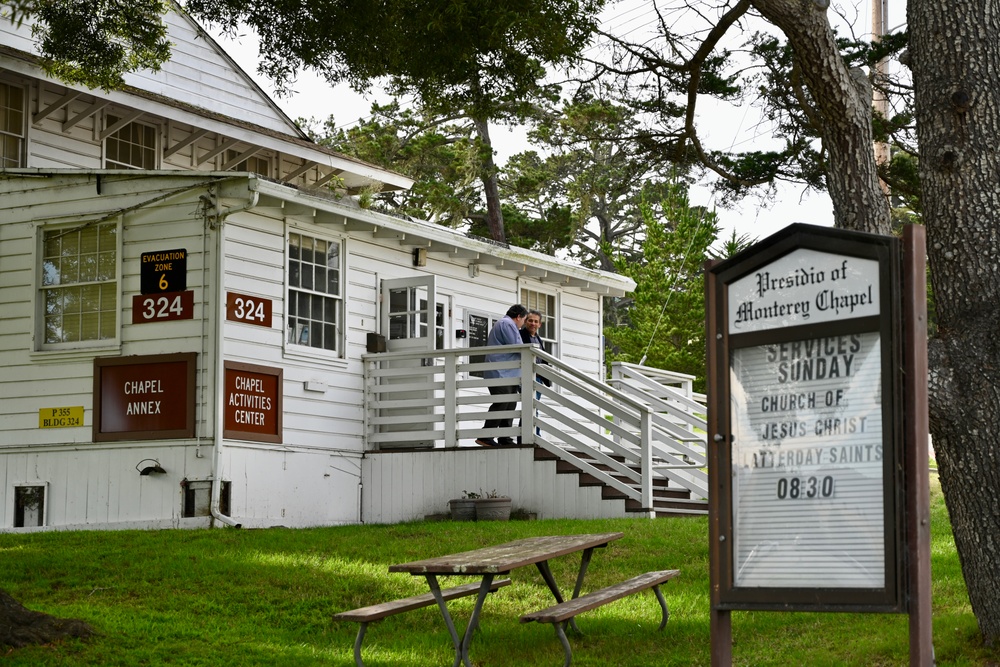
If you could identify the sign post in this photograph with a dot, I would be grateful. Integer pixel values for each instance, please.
(811, 427)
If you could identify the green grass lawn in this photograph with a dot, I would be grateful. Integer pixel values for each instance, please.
(265, 597)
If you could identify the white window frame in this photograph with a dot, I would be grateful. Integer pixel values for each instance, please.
(124, 165)
(22, 132)
(106, 345)
(307, 352)
(553, 337)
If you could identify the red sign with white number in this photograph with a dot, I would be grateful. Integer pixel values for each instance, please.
(162, 307)
(248, 309)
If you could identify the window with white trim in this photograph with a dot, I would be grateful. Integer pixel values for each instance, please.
(255, 163)
(545, 304)
(315, 292)
(131, 147)
(11, 125)
(79, 284)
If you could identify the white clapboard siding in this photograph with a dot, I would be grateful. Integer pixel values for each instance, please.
(51, 151)
(16, 37)
(408, 486)
(579, 318)
(99, 485)
(294, 488)
(64, 379)
(201, 74)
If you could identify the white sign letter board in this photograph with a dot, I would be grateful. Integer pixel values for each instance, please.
(807, 449)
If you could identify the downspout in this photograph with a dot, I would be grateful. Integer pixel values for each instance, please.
(215, 219)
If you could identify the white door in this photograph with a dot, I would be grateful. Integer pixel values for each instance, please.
(409, 323)
(409, 313)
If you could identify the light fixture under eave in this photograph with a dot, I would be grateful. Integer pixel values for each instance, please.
(156, 468)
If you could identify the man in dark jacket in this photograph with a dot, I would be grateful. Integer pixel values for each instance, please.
(504, 332)
(529, 335)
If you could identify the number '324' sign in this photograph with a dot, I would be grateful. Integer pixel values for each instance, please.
(162, 307)
(248, 309)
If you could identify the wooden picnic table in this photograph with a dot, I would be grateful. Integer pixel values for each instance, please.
(501, 559)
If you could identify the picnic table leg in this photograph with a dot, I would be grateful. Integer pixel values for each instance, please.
(436, 591)
(561, 634)
(543, 569)
(357, 644)
(484, 590)
(663, 605)
(584, 562)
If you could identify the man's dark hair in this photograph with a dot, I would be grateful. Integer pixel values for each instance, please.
(532, 311)
(516, 311)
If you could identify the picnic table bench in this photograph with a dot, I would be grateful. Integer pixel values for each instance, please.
(488, 562)
(376, 612)
(559, 613)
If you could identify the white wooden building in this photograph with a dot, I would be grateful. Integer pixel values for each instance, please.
(188, 287)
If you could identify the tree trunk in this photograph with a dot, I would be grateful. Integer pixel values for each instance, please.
(494, 216)
(21, 627)
(955, 58)
(843, 99)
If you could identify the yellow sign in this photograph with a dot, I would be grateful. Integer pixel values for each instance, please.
(60, 417)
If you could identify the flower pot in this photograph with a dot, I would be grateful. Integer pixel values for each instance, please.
(462, 509)
(493, 509)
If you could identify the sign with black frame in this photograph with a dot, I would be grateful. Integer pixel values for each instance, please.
(808, 507)
(163, 271)
(813, 424)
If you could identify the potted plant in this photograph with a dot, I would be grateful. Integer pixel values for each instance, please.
(464, 508)
(492, 507)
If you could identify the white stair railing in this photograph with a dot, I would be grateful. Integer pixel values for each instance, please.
(625, 434)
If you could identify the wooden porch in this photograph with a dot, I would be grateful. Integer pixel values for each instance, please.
(632, 446)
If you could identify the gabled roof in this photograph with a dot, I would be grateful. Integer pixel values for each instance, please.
(202, 86)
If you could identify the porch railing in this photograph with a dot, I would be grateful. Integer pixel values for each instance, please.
(624, 436)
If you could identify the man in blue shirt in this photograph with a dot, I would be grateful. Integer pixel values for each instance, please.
(507, 331)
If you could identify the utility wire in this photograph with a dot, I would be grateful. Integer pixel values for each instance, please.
(684, 257)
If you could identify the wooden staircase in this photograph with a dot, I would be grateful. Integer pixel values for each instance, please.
(668, 501)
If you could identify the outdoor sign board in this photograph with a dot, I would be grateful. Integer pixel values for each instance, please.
(144, 397)
(478, 332)
(248, 309)
(163, 271)
(162, 307)
(60, 417)
(810, 433)
(253, 402)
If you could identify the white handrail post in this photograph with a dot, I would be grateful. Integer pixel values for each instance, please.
(450, 400)
(617, 373)
(646, 458)
(528, 396)
(368, 364)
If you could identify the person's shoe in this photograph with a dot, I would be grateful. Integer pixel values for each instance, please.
(505, 441)
(486, 442)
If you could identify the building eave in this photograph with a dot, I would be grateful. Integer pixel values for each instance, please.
(346, 215)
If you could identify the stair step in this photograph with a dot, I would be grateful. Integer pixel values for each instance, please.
(658, 494)
(668, 501)
(679, 514)
(545, 455)
(699, 506)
